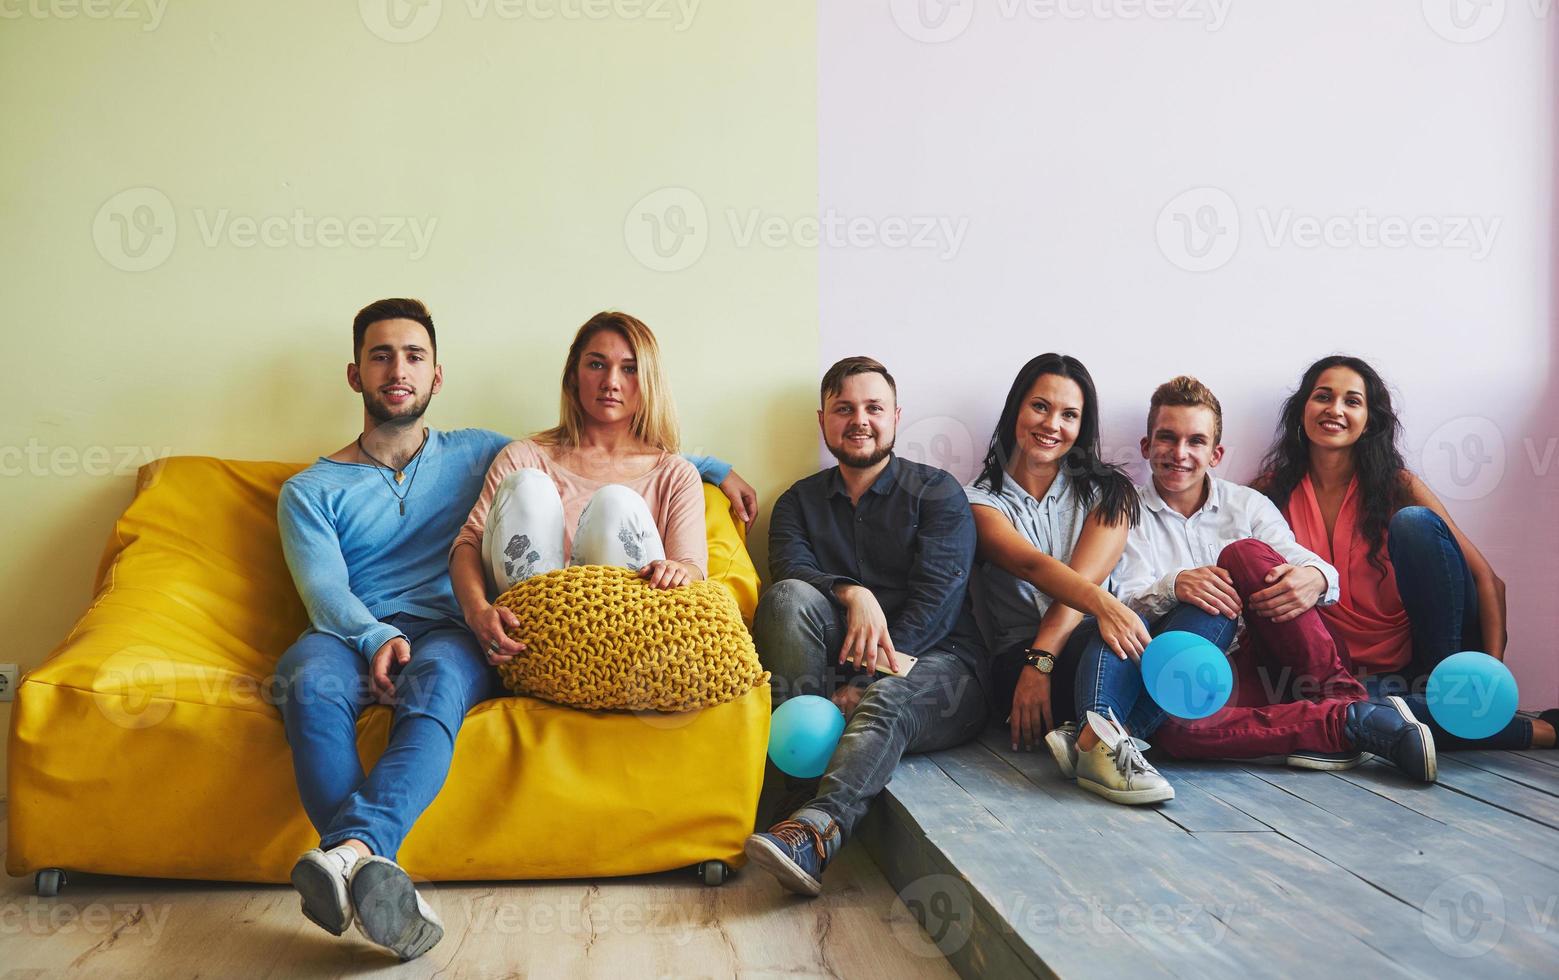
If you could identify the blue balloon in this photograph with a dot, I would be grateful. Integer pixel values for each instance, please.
(1472, 695)
(1164, 647)
(1186, 674)
(803, 733)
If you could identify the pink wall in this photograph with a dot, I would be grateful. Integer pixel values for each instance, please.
(1363, 177)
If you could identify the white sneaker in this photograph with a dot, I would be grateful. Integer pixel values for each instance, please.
(320, 878)
(1062, 743)
(390, 913)
(1115, 768)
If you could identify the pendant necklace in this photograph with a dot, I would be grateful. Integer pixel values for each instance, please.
(400, 475)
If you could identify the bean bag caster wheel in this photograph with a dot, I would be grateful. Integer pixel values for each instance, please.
(713, 872)
(49, 881)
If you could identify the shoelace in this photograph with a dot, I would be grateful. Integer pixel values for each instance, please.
(796, 832)
(1128, 758)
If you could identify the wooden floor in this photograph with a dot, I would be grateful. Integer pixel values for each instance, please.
(661, 925)
(1251, 871)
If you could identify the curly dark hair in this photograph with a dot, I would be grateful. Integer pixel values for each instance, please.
(1377, 461)
(1099, 485)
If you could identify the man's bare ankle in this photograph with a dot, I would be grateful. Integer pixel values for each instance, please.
(1086, 739)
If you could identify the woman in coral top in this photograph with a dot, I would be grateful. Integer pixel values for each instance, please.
(1412, 588)
(604, 487)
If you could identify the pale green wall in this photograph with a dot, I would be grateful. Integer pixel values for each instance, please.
(528, 142)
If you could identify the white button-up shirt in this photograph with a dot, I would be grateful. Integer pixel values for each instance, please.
(1164, 543)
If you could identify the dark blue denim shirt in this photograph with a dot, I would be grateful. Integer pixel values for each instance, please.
(910, 541)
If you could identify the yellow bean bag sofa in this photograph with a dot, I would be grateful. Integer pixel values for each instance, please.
(146, 744)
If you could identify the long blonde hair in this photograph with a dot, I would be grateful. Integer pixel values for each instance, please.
(655, 422)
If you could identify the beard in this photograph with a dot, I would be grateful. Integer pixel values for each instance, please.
(861, 461)
(385, 415)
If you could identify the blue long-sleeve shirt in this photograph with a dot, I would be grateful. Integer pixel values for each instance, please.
(711, 470)
(910, 540)
(356, 560)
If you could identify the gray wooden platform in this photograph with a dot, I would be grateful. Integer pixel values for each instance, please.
(1251, 871)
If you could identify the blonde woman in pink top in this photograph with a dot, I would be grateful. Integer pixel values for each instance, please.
(1412, 589)
(604, 487)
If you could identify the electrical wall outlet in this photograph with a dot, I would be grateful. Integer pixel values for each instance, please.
(7, 682)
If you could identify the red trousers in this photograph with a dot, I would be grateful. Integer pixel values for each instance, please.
(1291, 686)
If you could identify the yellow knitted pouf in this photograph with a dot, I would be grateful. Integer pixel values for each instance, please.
(598, 636)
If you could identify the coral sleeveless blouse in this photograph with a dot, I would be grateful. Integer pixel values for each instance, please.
(1368, 614)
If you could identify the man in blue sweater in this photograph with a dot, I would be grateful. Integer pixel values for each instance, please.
(366, 532)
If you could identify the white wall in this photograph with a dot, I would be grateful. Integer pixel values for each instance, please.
(1055, 142)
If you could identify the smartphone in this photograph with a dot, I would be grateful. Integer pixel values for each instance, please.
(906, 664)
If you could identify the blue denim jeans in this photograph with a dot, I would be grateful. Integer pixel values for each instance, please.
(322, 687)
(798, 632)
(1441, 601)
(1090, 677)
(1516, 735)
(1106, 682)
(1438, 593)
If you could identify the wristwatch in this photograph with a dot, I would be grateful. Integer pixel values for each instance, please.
(1041, 660)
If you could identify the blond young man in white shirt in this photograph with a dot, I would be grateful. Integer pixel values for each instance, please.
(1207, 554)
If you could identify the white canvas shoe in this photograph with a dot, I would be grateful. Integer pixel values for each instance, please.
(390, 913)
(320, 878)
(1062, 743)
(1115, 768)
